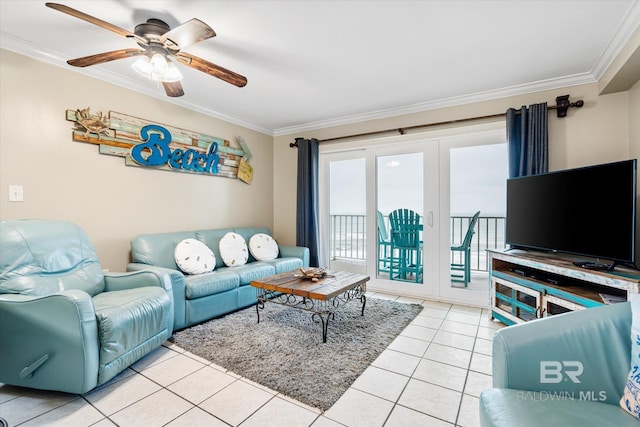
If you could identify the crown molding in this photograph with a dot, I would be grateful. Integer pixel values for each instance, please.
(538, 86)
(25, 48)
(627, 27)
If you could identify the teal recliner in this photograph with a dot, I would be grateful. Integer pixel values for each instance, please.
(564, 370)
(64, 324)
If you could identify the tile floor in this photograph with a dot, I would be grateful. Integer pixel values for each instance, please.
(430, 375)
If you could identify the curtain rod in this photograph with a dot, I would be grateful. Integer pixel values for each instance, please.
(562, 105)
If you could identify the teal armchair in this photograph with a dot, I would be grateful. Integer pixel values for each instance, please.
(64, 324)
(564, 370)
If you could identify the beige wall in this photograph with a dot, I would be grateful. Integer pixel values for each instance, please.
(69, 180)
(634, 121)
(596, 133)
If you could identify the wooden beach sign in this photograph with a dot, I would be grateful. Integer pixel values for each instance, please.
(146, 144)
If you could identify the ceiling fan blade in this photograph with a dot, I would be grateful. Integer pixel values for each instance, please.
(173, 89)
(105, 57)
(93, 20)
(211, 69)
(184, 35)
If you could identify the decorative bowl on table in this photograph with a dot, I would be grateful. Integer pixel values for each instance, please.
(312, 273)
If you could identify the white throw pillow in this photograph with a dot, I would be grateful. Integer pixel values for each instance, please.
(233, 250)
(263, 247)
(630, 400)
(194, 257)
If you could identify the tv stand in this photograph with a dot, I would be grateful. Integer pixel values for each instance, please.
(529, 285)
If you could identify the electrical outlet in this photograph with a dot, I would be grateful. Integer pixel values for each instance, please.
(16, 193)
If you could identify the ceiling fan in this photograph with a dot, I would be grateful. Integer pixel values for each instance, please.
(159, 43)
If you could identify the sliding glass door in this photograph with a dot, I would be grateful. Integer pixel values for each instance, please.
(343, 219)
(405, 201)
(361, 190)
(399, 190)
(472, 203)
(403, 212)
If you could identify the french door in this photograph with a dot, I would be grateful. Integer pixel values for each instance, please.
(361, 186)
(405, 180)
(473, 174)
(443, 181)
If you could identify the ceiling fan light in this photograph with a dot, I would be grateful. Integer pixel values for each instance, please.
(158, 64)
(172, 74)
(142, 66)
(157, 68)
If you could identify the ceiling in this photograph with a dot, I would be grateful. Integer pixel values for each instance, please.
(313, 64)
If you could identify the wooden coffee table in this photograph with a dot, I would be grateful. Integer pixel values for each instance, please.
(322, 297)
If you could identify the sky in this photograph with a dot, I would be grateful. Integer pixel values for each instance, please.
(477, 178)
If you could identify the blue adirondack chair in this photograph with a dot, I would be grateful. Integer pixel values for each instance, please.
(384, 245)
(406, 246)
(464, 266)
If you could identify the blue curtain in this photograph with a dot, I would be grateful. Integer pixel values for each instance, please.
(307, 211)
(528, 140)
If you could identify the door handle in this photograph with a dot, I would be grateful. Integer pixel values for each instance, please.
(430, 219)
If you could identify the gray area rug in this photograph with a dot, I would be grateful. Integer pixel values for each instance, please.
(285, 351)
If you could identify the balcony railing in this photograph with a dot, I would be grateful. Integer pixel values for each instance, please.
(489, 234)
(347, 237)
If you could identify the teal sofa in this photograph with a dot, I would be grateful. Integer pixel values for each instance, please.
(564, 370)
(202, 297)
(64, 324)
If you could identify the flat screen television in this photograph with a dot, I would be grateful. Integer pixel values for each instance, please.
(588, 211)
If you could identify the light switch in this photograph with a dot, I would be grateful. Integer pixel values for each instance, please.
(16, 193)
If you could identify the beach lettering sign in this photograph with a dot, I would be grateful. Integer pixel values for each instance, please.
(162, 147)
(158, 152)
